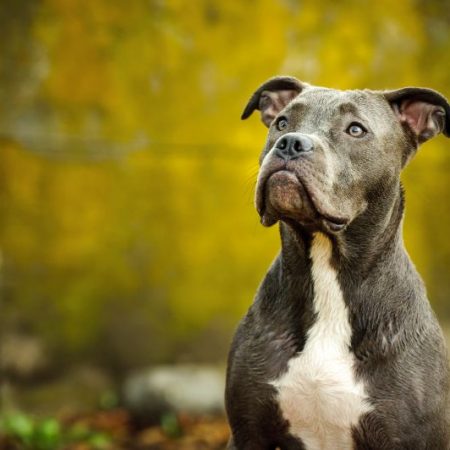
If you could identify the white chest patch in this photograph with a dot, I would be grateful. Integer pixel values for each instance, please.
(319, 394)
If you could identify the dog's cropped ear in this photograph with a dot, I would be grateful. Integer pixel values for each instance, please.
(272, 96)
(424, 111)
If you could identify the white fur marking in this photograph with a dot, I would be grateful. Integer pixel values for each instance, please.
(319, 394)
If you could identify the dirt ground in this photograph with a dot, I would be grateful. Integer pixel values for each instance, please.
(183, 433)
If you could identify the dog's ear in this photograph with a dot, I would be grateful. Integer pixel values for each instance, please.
(424, 111)
(272, 96)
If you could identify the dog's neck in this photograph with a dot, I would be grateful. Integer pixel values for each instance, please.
(374, 236)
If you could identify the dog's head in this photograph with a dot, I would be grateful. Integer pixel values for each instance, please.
(330, 154)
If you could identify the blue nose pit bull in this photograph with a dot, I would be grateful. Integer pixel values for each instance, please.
(340, 349)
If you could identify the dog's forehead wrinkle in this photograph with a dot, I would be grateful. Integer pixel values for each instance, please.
(335, 101)
(348, 107)
(325, 107)
(296, 106)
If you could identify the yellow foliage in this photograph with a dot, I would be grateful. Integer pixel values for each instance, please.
(127, 176)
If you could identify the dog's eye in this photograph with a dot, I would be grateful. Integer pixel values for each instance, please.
(355, 129)
(282, 123)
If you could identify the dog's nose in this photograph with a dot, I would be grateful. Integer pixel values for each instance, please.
(292, 145)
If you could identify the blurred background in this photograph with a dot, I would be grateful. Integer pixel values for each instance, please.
(129, 243)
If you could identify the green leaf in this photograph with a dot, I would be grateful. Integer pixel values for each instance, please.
(47, 435)
(99, 441)
(20, 426)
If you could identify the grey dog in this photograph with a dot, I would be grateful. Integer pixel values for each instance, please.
(340, 348)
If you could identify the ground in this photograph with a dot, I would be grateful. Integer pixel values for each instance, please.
(115, 430)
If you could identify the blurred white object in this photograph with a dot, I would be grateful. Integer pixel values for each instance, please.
(188, 388)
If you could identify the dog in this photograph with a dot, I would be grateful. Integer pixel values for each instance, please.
(340, 348)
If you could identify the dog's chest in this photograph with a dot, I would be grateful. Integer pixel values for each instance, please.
(319, 394)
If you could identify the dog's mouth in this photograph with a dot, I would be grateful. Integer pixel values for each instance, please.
(282, 195)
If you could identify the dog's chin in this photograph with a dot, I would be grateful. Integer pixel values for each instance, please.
(286, 198)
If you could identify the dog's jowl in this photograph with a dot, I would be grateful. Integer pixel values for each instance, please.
(340, 348)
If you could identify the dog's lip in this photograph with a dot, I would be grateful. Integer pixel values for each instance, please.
(260, 189)
(334, 224)
(331, 223)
